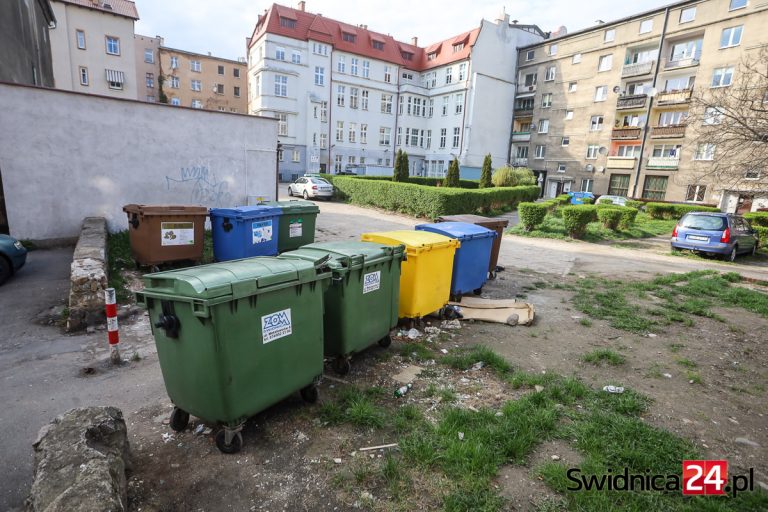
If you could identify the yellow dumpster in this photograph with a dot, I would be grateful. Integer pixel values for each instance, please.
(425, 279)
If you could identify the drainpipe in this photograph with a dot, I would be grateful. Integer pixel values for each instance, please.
(331, 130)
(396, 112)
(473, 86)
(650, 104)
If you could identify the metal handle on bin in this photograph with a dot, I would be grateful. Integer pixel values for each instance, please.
(168, 321)
(227, 225)
(135, 221)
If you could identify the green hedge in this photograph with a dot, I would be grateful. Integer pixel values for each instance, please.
(674, 211)
(762, 232)
(531, 214)
(757, 219)
(610, 217)
(628, 216)
(430, 202)
(576, 219)
(416, 180)
(635, 204)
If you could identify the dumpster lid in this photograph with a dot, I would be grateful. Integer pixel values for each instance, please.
(348, 254)
(293, 207)
(246, 212)
(237, 278)
(413, 240)
(460, 230)
(488, 222)
(145, 209)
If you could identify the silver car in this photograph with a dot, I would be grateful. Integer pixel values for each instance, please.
(311, 186)
(619, 200)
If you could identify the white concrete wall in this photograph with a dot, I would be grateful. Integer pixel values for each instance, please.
(66, 156)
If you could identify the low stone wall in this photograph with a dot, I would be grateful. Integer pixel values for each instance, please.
(88, 275)
(80, 462)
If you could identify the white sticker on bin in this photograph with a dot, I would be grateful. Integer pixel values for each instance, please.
(177, 233)
(276, 325)
(294, 229)
(371, 282)
(262, 231)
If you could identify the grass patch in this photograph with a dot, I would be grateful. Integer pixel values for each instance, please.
(676, 347)
(586, 322)
(694, 377)
(119, 258)
(644, 227)
(687, 363)
(354, 406)
(416, 352)
(464, 359)
(604, 355)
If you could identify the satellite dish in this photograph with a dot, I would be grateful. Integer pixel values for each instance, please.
(590, 167)
(603, 150)
(616, 89)
(601, 169)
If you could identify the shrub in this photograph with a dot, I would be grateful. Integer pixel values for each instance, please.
(486, 175)
(757, 219)
(674, 211)
(531, 214)
(587, 200)
(628, 216)
(563, 199)
(513, 177)
(576, 219)
(635, 204)
(610, 217)
(762, 233)
(452, 177)
(401, 166)
(606, 201)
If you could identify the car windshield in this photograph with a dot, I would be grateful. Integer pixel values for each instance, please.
(704, 222)
(319, 181)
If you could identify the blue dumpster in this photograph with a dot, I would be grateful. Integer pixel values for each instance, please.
(470, 263)
(578, 197)
(244, 231)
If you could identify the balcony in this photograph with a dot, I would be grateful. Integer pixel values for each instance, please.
(523, 112)
(621, 162)
(521, 136)
(663, 162)
(526, 89)
(631, 101)
(674, 97)
(642, 68)
(625, 133)
(668, 132)
(681, 63)
(519, 162)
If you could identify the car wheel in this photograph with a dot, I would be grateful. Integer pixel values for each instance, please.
(754, 250)
(290, 192)
(731, 256)
(5, 270)
(305, 195)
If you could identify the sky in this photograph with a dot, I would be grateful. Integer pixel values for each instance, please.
(220, 27)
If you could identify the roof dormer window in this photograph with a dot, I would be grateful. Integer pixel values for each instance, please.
(432, 56)
(287, 22)
(407, 55)
(378, 45)
(458, 47)
(350, 38)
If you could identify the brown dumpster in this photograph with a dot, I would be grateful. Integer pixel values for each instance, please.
(497, 225)
(160, 234)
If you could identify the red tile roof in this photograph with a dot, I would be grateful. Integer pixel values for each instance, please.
(317, 28)
(119, 7)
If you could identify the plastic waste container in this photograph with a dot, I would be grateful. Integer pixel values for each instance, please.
(361, 302)
(497, 225)
(164, 233)
(470, 264)
(234, 338)
(578, 197)
(244, 231)
(296, 224)
(425, 280)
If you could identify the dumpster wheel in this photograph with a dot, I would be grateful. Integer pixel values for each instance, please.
(179, 419)
(235, 445)
(309, 394)
(341, 365)
(385, 341)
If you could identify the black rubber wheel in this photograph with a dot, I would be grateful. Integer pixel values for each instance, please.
(234, 447)
(675, 249)
(290, 192)
(179, 419)
(305, 195)
(5, 270)
(731, 256)
(491, 275)
(385, 341)
(310, 394)
(341, 365)
(478, 291)
(754, 250)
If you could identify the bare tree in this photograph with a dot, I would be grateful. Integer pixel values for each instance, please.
(730, 128)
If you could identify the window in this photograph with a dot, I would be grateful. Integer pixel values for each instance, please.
(340, 91)
(150, 80)
(351, 160)
(459, 106)
(387, 74)
(196, 85)
(386, 103)
(281, 85)
(174, 62)
(399, 140)
(609, 35)
(364, 100)
(628, 150)
(366, 69)
(363, 134)
(84, 75)
(596, 123)
(586, 184)
(80, 36)
(352, 132)
(566, 141)
(353, 68)
(324, 112)
(752, 175)
(175, 102)
(236, 91)
(540, 152)
(576, 58)
(431, 56)
(731, 37)
(618, 185)
(632, 120)
(115, 79)
(296, 57)
(686, 50)
(696, 193)
(429, 139)
(195, 66)
(456, 136)
(279, 53)
(443, 135)
(341, 64)
(601, 93)
(592, 151)
(674, 118)
(704, 152)
(449, 74)
(544, 126)
(150, 98)
(713, 116)
(530, 80)
(197, 104)
(462, 71)
(521, 152)
(605, 63)
(149, 56)
(414, 137)
(561, 167)
(638, 88)
(646, 26)
(257, 85)
(282, 124)
(446, 99)
(319, 75)
(550, 75)
(220, 70)
(457, 47)
(287, 22)
(218, 88)
(378, 45)
(687, 15)
(337, 165)
(431, 107)
(323, 140)
(529, 55)
(346, 36)
(354, 94)
(737, 4)
(319, 49)
(572, 87)
(295, 156)
(722, 77)
(655, 187)
(666, 150)
(113, 45)
(638, 56)
(236, 72)
(678, 84)
(339, 131)
(552, 49)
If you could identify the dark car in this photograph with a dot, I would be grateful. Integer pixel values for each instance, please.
(722, 234)
(13, 255)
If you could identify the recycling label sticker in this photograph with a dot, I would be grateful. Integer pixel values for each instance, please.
(371, 282)
(295, 229)
(262, 231)
(276, 325)
(177, 233)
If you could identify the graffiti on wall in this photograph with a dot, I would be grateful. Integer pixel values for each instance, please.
(206, 188)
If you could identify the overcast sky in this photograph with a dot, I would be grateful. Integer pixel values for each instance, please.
(220, 27)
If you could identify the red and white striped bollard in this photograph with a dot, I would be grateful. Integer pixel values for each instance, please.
(112, 332)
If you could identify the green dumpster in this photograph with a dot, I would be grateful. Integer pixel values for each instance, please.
(236, 337)
(296, 224)
(361, 303)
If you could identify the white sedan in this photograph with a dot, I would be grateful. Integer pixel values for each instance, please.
(310, 186)
(619, 200)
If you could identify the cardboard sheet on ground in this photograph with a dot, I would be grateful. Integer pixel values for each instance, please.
(507, 311)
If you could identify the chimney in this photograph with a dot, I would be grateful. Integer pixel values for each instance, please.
(302, 5)
(415, 41)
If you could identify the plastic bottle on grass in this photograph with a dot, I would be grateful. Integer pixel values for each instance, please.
(403, 390)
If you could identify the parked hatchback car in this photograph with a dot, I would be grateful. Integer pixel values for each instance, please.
(13, 255)
(723, 234)
(311, 186)
(619, 200)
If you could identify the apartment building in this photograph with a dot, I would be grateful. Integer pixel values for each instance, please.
(346, 96)
(147, 51)
(25, 48)
(92, 47)
(203, 81)
(605, 109)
